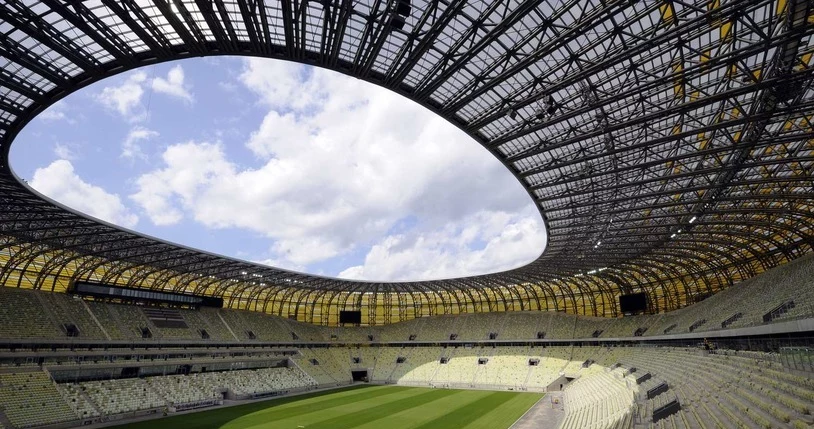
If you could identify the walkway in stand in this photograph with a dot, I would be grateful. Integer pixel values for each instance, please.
(547, 413)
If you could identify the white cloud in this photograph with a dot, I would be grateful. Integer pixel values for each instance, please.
(481, 243)
(131, 147)
(173, 85)
(342, 163)
(301, 251)
(190, 169)
(283, 85)
(60, 182)
(56, 112)
(65, 151)
(283, 263)
(126, 97)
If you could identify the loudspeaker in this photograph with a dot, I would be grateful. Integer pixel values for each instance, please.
(397, 22)
(403, 7)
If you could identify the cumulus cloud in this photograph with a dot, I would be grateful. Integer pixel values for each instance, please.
(56, 112)
(126, 97)
(173, 84)
(481, 243)
(283, 263)
(191, 168)
(131, 147)
(65, 151)
(59, 181)
(342, 162)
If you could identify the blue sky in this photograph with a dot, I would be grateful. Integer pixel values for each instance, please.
(282, 164)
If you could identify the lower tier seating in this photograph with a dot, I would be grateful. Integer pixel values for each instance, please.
(32, 399)
(122, 396)
(720, 389)
(598, 401)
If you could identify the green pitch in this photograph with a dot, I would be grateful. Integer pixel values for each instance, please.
(365, 407)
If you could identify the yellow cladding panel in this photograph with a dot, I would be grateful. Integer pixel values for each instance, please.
(765, 172)
(667, 13)
(781, 7)
(736, 112)
(726, 31)
(797, 168)
(705, 57)
(713, 5)
(703, 141)
(805, 61)
(678, 83)
(731, 71)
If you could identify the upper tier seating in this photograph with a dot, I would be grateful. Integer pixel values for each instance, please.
(207, 319)
(753, 298)
(66, 310)
(106, 317)
(398, 331)
(43, 315)
(521, 325)
(22, 316)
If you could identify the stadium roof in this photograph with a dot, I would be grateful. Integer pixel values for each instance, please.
(668, 144)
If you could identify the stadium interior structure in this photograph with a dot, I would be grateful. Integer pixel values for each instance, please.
(668, 146)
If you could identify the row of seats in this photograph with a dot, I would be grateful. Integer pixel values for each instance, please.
(33, 314)
(729, 389)
(181, 389)
(122, 396)
(327, 366)
(252, 382)
(79, 401)
(747, 389)
(601, 400)
(32, 399)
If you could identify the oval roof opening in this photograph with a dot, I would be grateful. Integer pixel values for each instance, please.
(285, 165)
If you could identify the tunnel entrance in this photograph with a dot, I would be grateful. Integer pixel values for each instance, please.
(360, 375)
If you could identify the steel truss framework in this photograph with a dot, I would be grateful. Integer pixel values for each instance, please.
(669, 144)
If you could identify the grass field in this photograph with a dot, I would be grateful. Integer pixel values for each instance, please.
(363, 407)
